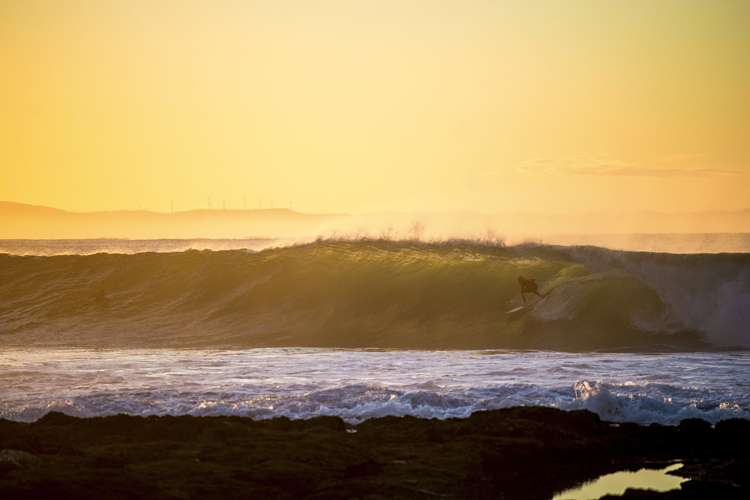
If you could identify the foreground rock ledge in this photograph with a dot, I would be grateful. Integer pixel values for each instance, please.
(510, 453)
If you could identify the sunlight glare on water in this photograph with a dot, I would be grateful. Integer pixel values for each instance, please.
(617, 483)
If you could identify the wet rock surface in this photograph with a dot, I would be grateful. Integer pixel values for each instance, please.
(511, 453)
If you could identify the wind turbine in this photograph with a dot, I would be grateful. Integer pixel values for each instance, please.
(245, 202)
(271, 203)
(209, 203)
(224, 204)
(260, 203)
(171, 202)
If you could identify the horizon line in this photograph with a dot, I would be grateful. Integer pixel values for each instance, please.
(421, 212)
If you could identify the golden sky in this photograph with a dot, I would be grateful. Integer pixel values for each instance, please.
(360, 105)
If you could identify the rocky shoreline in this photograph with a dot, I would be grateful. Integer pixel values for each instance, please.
(522, 452)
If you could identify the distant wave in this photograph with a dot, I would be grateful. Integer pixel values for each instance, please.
(378, 293)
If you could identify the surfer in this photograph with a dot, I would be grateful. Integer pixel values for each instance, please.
(527, 286)
(99, 298)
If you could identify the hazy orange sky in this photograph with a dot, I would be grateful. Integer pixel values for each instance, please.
(361, 105)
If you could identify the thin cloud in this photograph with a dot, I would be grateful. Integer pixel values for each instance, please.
(609, 166)
(682, 157)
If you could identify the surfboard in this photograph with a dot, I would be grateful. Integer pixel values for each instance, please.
(524, 306)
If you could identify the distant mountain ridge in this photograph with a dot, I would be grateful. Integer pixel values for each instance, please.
(21, 221)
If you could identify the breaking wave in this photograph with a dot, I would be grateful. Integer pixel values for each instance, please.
(356, 384)
(379, 293)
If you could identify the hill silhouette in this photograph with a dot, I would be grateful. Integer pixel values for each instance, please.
(21, 221)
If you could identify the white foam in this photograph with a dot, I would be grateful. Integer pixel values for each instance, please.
(359, 384)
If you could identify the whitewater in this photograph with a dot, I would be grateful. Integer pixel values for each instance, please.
(367, 328)
(359, 384)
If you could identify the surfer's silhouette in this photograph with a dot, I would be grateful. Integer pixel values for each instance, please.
(98, 298)
(527, 286)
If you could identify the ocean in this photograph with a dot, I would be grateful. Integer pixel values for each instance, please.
(361, 328)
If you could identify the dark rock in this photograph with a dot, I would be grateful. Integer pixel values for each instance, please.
(695, 426)
(733, 434)
(511, 453)
(57, 418)
(17, 459)
(334, 424)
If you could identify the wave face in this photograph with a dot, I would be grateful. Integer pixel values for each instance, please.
(385, 294)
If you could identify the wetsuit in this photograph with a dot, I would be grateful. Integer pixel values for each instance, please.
(527, 286)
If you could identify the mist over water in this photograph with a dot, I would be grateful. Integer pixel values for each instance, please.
(128, 247)
(659, 243)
